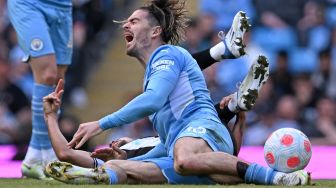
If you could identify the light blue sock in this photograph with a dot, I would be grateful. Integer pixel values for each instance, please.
(258, 174)
(112, 175)
(97, 162)
(40, 131)
(100, 162)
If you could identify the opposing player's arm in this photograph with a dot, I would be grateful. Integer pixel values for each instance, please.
(51, 104)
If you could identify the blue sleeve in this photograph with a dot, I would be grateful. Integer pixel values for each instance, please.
(162, 80)
(158, 151)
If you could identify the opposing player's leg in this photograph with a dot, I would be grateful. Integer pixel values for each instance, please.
(245, 98)
(237, 131)
(231, 45)
(233, 39)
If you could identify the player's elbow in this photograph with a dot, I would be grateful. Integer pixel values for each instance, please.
(64, 155)
(155, 103)
(153, 107)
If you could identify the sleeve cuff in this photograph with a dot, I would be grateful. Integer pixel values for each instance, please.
(104, 123)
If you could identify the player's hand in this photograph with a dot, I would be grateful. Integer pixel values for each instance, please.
(225, 101)
(120, 142)
(107, 154)
(84, 132)
(52, 102)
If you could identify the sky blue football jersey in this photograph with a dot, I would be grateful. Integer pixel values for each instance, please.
(66, 3)
(189, 98)
(175, 93)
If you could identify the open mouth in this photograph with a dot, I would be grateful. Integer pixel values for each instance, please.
(129, 37)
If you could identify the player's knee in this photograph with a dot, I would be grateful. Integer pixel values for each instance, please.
(61, 72)
(182, 165)
(49, 77)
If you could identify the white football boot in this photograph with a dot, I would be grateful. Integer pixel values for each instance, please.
(35, 171)
(249, 89)
(72, 174)
(300, 177)
(233, 39)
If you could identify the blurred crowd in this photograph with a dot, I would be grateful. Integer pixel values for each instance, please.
(298, 37)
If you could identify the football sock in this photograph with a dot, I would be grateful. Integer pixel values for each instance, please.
(40, 130)
(225, 114)
(34, 140)
(97, 162)
(233, 104)
(217, 51)
(33, 156)
(112, 175)
(204, 59)
(48, 155)
(258, 174)
(242, 168)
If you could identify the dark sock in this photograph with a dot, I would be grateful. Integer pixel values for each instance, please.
(204, 59)
(241, 169)
(225, 115)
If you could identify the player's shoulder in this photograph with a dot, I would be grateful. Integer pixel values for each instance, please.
(168, 52)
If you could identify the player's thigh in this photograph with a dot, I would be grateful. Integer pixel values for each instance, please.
(31, 27)
(166, 165)
(186, 146)
(201, 136)
(140, 172)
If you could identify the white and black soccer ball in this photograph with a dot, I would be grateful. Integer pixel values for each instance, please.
(287, 150)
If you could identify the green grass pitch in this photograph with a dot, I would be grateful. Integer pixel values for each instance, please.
(30, 183)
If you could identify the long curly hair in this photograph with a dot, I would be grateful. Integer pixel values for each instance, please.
(171, 16)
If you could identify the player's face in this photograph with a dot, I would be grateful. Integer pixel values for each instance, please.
(137, 33)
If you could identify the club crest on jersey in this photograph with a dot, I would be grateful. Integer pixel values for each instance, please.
(36, 44)
(198, 130)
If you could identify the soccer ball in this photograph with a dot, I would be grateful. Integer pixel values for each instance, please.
(287, 150)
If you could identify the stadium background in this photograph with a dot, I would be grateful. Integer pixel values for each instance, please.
(299, 37)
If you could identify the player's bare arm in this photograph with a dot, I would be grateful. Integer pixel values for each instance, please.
(51, 104)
